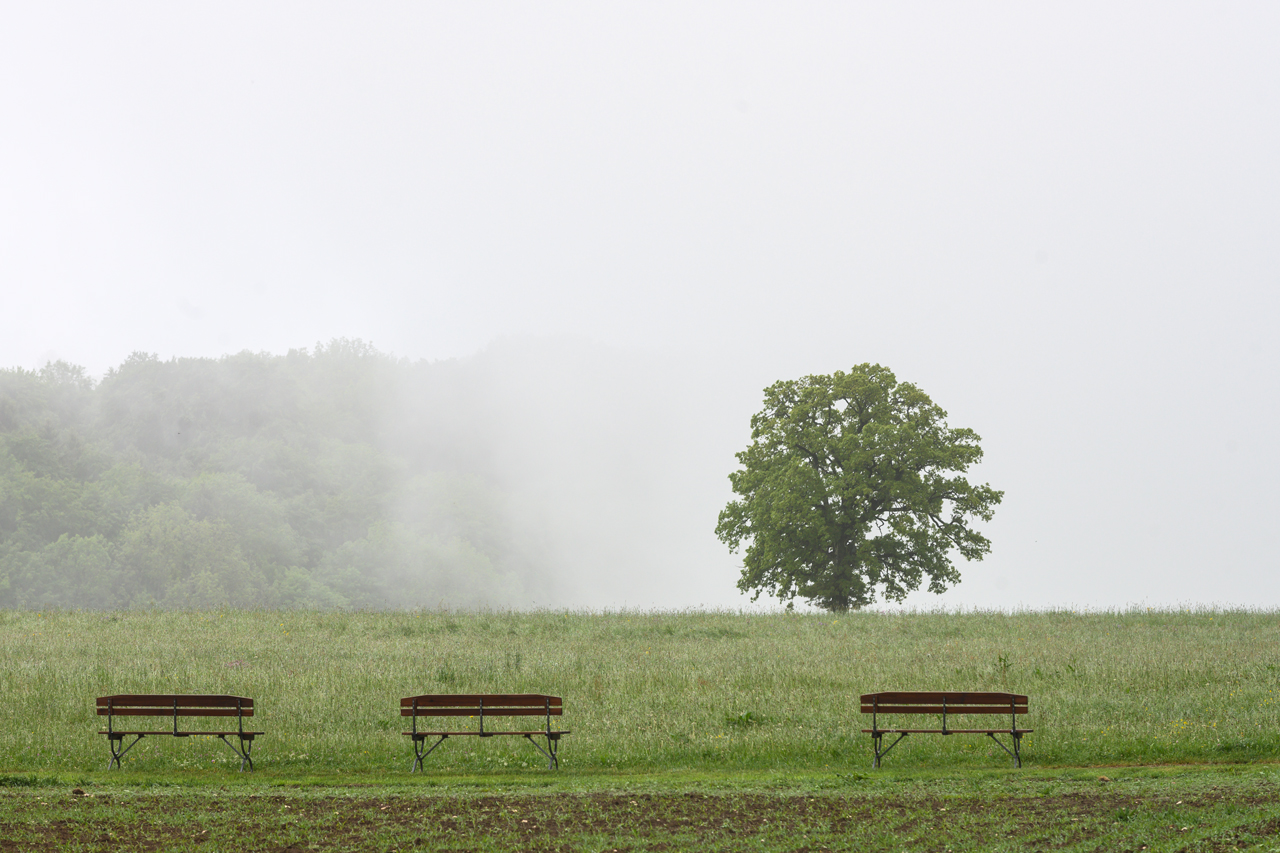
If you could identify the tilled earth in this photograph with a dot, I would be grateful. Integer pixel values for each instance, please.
(1091, 819)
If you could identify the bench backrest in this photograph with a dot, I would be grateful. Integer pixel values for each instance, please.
(174, 705)
(488, 704)
(907, 702)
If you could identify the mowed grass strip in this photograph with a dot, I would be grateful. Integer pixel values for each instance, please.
(645, 691)
(959, 813)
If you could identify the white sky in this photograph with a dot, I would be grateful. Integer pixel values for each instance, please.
(1061, 220)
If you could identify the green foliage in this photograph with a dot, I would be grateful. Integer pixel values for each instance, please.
(744, 720)
(173, 560)
(847, 490)
(321, 479)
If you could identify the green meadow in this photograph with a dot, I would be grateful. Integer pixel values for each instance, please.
(646, 692)
(691, 731)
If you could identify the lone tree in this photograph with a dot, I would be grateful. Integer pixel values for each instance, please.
(852, 483)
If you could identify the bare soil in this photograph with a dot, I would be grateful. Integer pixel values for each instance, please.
(621, 822)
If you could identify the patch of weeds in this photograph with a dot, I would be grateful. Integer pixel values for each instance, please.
(852, 778)
(1237, 746)
(744, 720)
(31, 781)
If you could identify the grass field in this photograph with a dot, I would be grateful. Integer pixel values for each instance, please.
(712, 723)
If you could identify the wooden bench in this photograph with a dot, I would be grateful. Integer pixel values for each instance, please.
(175, 706)
(482, 706)
(947, 705)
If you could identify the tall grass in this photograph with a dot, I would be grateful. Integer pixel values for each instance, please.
(646, 691)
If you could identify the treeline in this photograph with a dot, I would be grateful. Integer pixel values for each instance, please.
(337, 477)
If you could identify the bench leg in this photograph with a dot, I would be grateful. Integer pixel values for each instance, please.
(876, 742)
(418, 754)
(1014, 753)
(553, 742)
(115, 742)
(246, 745)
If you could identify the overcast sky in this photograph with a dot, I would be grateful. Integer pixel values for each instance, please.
(1062, 221)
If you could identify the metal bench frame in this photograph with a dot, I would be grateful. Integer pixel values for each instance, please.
(900, 702)
(482, 705)
(175, 706)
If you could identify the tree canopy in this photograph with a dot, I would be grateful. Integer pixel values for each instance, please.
(852, 487)
(335, 477)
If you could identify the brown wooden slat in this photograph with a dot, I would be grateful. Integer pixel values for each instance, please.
(478, 734)
(160, 702)
(941, 731)
(472, 700)
(221, 700)
(170, 733)
(951, 709)
(936, 698)
(475, 712)
(167, 711)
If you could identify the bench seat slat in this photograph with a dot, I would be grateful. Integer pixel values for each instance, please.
(937, 709)
(169, 732)
(184, 700)
(475, 712)
(478, 734)
(947, 732)
(900, 697)
(472, 700)
(163, 711)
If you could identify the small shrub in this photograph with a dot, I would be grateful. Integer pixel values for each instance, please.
(744, 720)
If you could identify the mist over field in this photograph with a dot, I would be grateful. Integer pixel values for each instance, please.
(577, 241)
(531, 475)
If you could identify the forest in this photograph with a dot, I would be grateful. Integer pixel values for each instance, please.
(337, 477)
